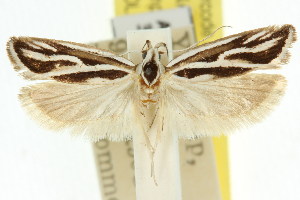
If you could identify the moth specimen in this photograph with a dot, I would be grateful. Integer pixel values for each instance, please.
(208, 90)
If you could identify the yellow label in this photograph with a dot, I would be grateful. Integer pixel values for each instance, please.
(207, 17)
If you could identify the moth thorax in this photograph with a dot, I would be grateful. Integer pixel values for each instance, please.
(150, 71)
(149, 90)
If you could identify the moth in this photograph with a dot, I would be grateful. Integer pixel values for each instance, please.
(210, 89)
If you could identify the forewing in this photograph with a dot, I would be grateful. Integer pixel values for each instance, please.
(212, 89)
(87, 90)
(45, 59)
(264, 48)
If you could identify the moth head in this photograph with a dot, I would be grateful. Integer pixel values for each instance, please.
(148, 51)
(151, 67)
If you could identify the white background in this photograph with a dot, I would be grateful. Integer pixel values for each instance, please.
(36, 164)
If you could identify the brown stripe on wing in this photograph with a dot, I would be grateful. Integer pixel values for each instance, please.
(39, 66)
(221, 72)
(212, 54)
(80, 77)
(266, 56)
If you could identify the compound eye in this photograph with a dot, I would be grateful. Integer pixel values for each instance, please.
(159, 54)
(144, 54)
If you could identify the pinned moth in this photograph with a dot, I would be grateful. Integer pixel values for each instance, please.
(208, 90)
